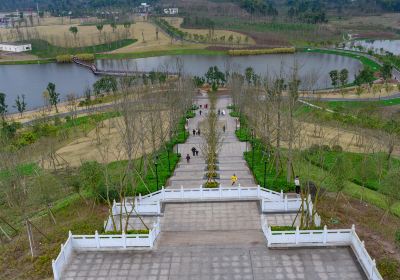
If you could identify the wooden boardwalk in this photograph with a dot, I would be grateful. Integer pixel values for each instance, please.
(99, 72)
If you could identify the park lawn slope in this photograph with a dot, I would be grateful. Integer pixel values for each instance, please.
(366, 62)
(43, 49)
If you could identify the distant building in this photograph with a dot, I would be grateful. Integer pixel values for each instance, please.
(15, 47)
(171, 11)
(144, 8)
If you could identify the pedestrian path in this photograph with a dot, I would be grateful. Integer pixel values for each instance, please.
(230, 157)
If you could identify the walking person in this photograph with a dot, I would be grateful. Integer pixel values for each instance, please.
(187, 158)
(197, 153)
(297, 184)
(223, 128)
(194, 151)
(198, 132)
(194, 132)
(234, 179)
(219, 112)
(200, 112)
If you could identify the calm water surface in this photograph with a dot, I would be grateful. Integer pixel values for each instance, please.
(377, 46)
(32, 80)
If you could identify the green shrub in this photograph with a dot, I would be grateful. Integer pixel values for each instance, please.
(85, 56)
(389, 268)
(26, 139)
(337, 148)
(64, 58)
(190, 114)
(212, 174)
(397, 238)
(282, 228)
(211, 185)
(288, 228)
(234, 114)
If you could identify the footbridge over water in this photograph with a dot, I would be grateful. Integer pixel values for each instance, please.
(101, 72)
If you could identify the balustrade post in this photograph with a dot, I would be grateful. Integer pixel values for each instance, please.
(269, 237)
(163, 193)
(97, 239)
(353, 233)
(325, 234)
(282, 194)
(240, 191)
(371, 274)
(123, 239)
(140, 197)
(201, 192)
(286, 203)
(158, 207)
(297, 235)
(55, 272)
(136, 206)
(62, 252)
(262, 205)
(220, 191)
(258, 191)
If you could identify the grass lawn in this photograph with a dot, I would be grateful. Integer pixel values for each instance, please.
(376, 165)
(27, 169)
(364, 60)
(43, 49)
(321, 177)
(339, 105)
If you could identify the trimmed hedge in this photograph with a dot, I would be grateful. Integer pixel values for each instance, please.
(64, 58)
(85, 56)
(261, 51)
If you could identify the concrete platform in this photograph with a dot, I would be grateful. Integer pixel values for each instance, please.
(216, 262)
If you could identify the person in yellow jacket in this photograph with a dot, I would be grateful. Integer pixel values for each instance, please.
(234, 178)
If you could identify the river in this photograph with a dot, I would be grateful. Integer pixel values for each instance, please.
(32, 80)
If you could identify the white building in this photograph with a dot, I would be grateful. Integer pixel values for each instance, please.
(171, 11)
(15, 47)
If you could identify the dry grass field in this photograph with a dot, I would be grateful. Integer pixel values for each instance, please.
(104, 144)
(60, 35)
(177, 21)
(372, 25)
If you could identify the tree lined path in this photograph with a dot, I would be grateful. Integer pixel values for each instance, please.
(230, 156)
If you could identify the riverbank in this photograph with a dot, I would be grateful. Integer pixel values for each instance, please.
(193, 51)
(366, 62)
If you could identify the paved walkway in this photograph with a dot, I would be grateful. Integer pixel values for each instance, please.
(231, 161)
(190, 263)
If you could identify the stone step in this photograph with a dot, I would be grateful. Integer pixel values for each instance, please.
(192, 166)
(242, 182)
(186, 184)
(233, 166)
(237, 161)
(188, 175)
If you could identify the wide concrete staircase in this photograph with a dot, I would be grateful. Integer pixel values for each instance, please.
(230, 156)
